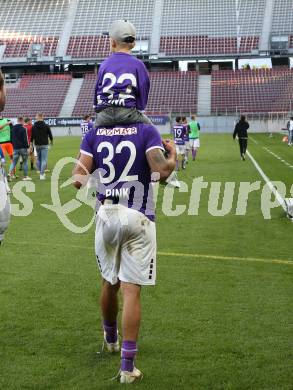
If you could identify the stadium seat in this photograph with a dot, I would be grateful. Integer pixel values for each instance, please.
(260, 90)
(37, 93)
(26, 22)
(93, 19)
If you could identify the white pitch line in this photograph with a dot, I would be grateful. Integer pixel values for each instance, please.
(278, 157)
(268, 182)
(253, 140)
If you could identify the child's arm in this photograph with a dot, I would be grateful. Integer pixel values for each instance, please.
(98, 82)
(143, 84)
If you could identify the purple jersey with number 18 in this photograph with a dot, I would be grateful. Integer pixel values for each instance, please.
(123, 81)
(85, 127)
(119, 155)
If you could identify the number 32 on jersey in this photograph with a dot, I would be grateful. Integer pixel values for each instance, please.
(108, 161)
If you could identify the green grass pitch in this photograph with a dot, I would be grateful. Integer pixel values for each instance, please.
(218, 319)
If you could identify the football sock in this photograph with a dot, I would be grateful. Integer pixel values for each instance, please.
(111, 331)
(128, 352)
(10, 168)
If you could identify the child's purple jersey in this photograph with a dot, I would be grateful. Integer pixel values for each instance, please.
(119, 153)
(179, 134)
(85, 128)
(123, 81)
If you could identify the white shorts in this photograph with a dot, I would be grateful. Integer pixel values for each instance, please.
(187, 145)
(194, 143)
(180, 149)
(125, 244)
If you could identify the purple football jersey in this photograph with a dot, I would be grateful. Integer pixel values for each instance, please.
(186, 136)
(179, 134)
(119, 155)
(123, 81)
(86, 127)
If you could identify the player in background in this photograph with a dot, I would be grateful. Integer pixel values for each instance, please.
(194, 129)
(179, 132)
(186, 139)
(241, 132)
(21, 145)
(29, 128)
(125, 238)
(86, 125)
(41, 134)
(290, 131)
(123, 84)
(5, 138)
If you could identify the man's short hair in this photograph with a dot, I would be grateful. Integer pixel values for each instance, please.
(183, 118)
(40, 115)
(178, 119)
(20, 118)
(86, 117)
(192, 117)
(27, 119)
(242, 118)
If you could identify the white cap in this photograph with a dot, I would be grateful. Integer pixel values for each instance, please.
(122, 31)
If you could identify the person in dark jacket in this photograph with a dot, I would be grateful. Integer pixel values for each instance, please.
(20, 145)
(241, 131)
(41, 134)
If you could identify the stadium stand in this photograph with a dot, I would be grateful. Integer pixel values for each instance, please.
(173, 91)
(26, 22)
(204, 27)
(84, 103)
(93, 19)
(211, 27)
(193, 45)
(170, 91)
(260, 90)
(186, 30)
(38, 93)
(283, 17)
(250, 19)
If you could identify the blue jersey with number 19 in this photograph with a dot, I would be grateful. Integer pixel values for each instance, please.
(119, 155)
